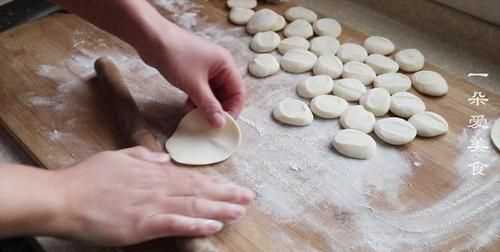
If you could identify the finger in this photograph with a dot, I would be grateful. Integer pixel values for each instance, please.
(204, 98)
(145, 154)
(228, 192)
(229, 85)
(203, 208)
(188, 106)
(164, 225)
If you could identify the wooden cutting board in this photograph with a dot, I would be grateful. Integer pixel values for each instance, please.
(309, 197)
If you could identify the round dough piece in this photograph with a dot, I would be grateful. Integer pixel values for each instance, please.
(196, 142)
(410, 60)
(299, 28)
(360, 71)
(430, 83)
(393, 82)
(240, 16)
(328, 106)
(429, 124)
(377, 101)
(381, 64)
(324, 45)
(395, 131)
(280, 24)
(293, 112)
(354, 144)
(349, 89)
(357, 117)
(330, 65)
(248, 4)
(351, 52)
(315, 86)
(263, 42)
(263, 65)
(263, 20)
(299, 12)
(293, 43)
(327, 27)
(379, 45)
(495, 133)
(404, 104)
(298, 61)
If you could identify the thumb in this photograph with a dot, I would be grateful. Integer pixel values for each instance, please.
(204, 98)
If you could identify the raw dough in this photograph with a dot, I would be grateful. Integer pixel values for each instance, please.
(293, 112)
(240, 16)
(327, 27)
(360, 71)
(265, 41)
(298, 61)
(352, 52)
(354, 144)
(299, 28)
(395, 131)
(324, 45)
(293, 43)
(393, 82)
(410, 60)
(263, 65)
(263, 20)
(196, 142)
(380, 45)
(315, 86)
(280, 24)
(381, 64)
(349, 89)
(430, 83)
(328, 106)
(299, 12)
(495, 133)
(248, 4)
(330, 65)
(405, 104)
(377, 101)
(429, 124)
(357, 117)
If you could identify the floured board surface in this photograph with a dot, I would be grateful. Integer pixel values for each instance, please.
(422, 196)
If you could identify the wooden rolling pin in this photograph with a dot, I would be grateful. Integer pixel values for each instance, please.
(136, 129)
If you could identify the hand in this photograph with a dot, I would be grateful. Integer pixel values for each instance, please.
(134, 195)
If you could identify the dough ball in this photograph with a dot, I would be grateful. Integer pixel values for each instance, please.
(280, 24)
(324, 45)
(360, 71)
(299, 12)
(377, 101)
(328, 106)
(354, 144)
(327, 27)
(263, 42)
(330, 65)
(349, 89)
(293, 43)
(351, 52)
(263, 20)
(240, 16)
(381, 64)
(299, 28)
(379, 45)
(315, 86)
(393, 82)
(410, 60)
(358, 118)
(495, 133)
(196, 142)
(395, 131)
(298, 61)
(263, 65)
(404, 104)
(430, 83)
(248, 4)
(429, 124)
(293, 112)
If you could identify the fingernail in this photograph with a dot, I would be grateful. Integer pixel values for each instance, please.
(248, 195)
(237, 211)
(158, 157)
(219, 119)
(214, 226)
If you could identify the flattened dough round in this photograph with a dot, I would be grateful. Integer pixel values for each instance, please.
(354, 144)
(360, 71)
(357, 117)
(349, 89)
(293, 43)
(395, 131)
(327, 27)
(380, 45)
(430, 83)
(324, 45)
(263, 65)
(393, 82)
(404, 104)
(298, 61)
(410, 60)
(196, 142)
(328, 106)
(299, 12)
(240, 16)
(315, 86)
(248, 4)
(381, 64)
(263, 42)
(299, 28)
(330, 65)
(495, 133)
(352, 52)
(377, 101)
(429, 124)
(293, 112)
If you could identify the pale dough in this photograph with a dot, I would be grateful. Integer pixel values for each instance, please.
(263, 65)
(430, 83)
(405, 104)
(240, 16)
(349, 89)
(293, 43)
(324, 45)
(393, 82)
(280, 24)
(330, 65)
(293, 112)
(351, 52)
(299, 12)
(299, 28)
(263, 20)
(360, 71)
(196, 142)
(381, 64)
(248, 4)
(315, 86)
(380, 45)
(377, 101)
(328, 106)
(298, 61)
(327, 27)
(263, 42)
(395, 131)
(354, 144)
(410, 60)
(357, 117)
(429, 124)
(495, 133)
